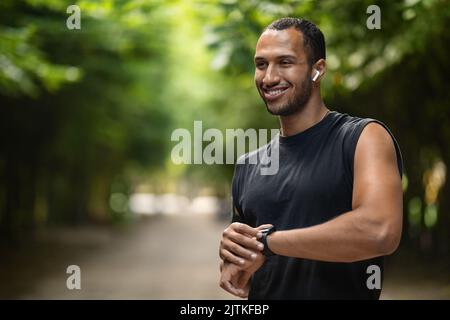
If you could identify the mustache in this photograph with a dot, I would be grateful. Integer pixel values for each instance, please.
(281, 84)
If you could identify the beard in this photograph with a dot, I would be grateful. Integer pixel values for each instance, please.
(295, 104)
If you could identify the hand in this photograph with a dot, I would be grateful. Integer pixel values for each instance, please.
(236, 280)
(239, 244)
(255, 264)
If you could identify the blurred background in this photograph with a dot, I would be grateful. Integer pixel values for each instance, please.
(86, 117)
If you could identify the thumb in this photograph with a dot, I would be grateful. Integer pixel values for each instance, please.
(264, 226)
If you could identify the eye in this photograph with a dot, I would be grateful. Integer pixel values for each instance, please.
(260, 65)
(285, 62)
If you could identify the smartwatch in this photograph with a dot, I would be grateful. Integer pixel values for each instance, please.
(265, 232)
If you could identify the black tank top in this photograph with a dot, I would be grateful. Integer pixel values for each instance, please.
(314, 184)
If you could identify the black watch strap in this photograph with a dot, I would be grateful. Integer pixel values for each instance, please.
(266, 232)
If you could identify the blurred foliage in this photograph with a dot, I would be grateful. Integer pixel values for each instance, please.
(86, 115)
(80, 108)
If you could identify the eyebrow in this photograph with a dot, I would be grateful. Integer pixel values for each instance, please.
(286, 56)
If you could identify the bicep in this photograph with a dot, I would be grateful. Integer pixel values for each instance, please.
(377, 185)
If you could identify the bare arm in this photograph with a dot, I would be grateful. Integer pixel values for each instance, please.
(373, 227)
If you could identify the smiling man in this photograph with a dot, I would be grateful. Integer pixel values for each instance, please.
(334, 209)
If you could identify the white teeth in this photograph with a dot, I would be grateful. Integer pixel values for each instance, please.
(275, 92)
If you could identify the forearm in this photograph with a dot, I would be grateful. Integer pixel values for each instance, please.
(350, 237)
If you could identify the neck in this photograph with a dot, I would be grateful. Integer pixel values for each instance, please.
(313, 112)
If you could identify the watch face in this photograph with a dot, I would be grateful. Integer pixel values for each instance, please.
(265, 230)
(269, 230)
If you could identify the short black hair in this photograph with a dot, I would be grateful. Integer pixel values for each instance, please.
(313, 39)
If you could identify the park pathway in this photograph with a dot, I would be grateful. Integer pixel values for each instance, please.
(158, 257)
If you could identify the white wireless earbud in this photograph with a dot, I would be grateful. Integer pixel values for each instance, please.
(316, 75)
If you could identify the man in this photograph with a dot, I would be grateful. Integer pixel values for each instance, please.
(320, 227)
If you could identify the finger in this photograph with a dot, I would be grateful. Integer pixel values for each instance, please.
(243, 228)
(243, 286)
(223, 248)
(227, 286)
(250, 243)
(241, 251)
(236, 249)
(220, 251)
(242, 293)
(242, 264)
(230, 257)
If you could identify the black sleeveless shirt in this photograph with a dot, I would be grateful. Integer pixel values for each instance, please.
(314, 184)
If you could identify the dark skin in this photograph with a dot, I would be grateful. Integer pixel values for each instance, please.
(372, 228)
(235, 278)
(281, 73)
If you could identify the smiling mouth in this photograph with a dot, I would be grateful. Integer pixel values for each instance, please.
(274, 93)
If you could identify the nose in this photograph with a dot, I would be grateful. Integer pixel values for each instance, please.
(271, 77)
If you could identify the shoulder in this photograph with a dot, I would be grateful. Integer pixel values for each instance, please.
(364, 130)
(375, 134)
(365, 138)
(376, 138)
(377, 145)
(375, 141)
